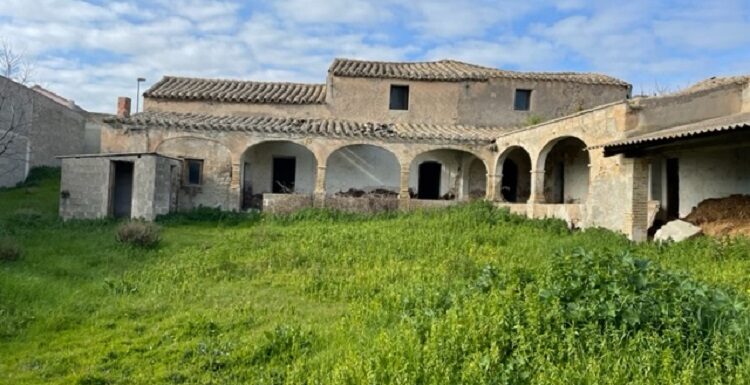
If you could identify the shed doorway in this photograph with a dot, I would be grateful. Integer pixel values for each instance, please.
(122, 194)
(283, 175)
(673, 189)
(429, 180)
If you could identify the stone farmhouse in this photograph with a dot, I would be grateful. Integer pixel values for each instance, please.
(36, 126)
(385, 136)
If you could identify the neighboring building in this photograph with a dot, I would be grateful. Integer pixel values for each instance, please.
(36, 126)
(384, 136)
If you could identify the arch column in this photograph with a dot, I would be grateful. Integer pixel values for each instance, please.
(404, 199)
(235, 190)
(492, 180)
(319, 196)
(537, 186)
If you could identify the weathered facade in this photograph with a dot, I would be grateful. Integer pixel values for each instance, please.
(36, 126)
(384, 136)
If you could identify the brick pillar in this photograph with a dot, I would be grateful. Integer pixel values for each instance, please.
(636, 215)
(403, 194)
(319, 196)
(537, 186)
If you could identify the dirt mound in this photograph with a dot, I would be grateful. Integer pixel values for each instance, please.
(723, 216)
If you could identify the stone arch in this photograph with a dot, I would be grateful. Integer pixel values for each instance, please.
(453, 173)
(514, 170)
(565, 162)
(276, 166)
(215, 187)
(363, 167)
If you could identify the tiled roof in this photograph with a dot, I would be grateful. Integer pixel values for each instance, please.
(724, 123)
(170, 87)
(451, 70)
(313, 127)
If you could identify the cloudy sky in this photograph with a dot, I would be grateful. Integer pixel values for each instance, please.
(93, 51)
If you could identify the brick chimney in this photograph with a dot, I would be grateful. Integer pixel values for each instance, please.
(123, 107)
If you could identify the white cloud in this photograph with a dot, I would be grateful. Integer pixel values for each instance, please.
(93, 52)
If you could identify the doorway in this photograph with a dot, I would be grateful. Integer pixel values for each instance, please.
(429, 180)
(673, 189)
(283, 175)
(122, 194)
(509, 183)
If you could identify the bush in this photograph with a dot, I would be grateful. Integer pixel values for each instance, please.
(10, 250)
(139, 234)
(39, 174)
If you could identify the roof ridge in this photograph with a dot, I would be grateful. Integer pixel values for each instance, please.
(174, 77)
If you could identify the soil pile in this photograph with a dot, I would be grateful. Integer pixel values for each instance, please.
(723, 216)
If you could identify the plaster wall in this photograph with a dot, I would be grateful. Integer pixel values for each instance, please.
(258, 169)
(669, 111)
(217, 171)
(14, 162)
(363, 167)
(712, 174)
(492, 102)
(56, 130)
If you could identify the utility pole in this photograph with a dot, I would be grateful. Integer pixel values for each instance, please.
(138, 92)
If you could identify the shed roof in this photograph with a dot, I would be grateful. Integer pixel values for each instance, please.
(715, 125)
(334, 128)
(185, 88)
(452, 70)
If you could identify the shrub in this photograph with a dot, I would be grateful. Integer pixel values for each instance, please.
(10, 250)
(139, 234)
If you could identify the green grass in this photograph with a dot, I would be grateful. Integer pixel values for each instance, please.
(468, 295)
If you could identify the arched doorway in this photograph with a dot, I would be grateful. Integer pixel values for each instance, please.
(565, 162)
(515, 167)
(361, 169)
(280, 167)
(447, 174)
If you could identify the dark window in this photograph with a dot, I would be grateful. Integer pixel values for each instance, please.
(399, 97)
(523, 100)
(429, 180)
(193, 171)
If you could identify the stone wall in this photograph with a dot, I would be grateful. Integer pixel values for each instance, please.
(286, 203)
(362, 204)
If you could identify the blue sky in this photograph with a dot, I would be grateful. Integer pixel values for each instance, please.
(92, 51)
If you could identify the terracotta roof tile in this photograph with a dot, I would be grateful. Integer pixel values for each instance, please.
(452, 70)
(313, 127)
(240, 91)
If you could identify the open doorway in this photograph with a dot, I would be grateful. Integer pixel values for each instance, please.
(283, 175)
(509, 181)
(673, 189)
(122, 189)
(429, 180)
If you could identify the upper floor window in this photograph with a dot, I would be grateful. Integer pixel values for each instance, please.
(399, 97)
(522, 102)
(193, 172)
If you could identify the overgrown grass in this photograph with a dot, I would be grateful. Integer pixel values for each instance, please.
(467, 295)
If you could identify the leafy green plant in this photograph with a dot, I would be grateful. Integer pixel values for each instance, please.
(10, 250)
(139, 233)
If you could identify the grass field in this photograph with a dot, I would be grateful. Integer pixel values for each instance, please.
(468, 295)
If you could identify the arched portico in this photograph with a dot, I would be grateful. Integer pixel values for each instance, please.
(514, 169)
(280, 166)
(563, 165)
(362, 168)
(447, 174)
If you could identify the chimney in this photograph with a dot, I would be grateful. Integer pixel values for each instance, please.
(123, 107)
